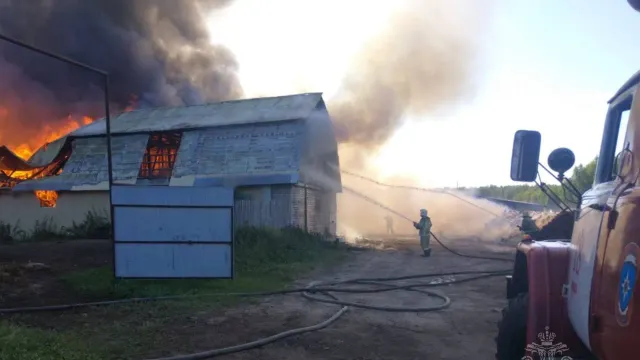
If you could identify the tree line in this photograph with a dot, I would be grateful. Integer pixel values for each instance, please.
(582, 178)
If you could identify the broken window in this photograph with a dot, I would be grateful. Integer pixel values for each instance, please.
(160, 155)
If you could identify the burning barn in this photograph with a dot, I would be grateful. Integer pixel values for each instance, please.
(279, 153)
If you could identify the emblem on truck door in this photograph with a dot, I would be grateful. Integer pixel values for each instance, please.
(627, 282)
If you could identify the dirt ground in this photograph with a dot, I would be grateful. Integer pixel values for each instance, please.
(466, 330)
(463, 331)
(30, 272)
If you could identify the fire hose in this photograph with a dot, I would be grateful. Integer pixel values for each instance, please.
(317, 291)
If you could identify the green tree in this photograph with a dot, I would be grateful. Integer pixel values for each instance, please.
(583, 175)
(582, 178)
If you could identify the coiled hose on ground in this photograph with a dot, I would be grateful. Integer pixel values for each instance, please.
(316, 291)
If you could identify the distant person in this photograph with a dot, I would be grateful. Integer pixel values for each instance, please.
(424, 230)
(389, 221)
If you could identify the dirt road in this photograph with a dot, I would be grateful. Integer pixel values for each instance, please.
(463, 331)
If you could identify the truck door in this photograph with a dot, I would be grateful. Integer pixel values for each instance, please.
(614, 326)
(589, 223)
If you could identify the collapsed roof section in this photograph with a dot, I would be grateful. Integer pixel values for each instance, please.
(46, 155)
(279, 140)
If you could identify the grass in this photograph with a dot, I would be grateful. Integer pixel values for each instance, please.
(11, 233)
(265, 259)
(21, 343)
(95, 225)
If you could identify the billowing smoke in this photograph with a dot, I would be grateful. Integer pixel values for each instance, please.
(421, 63)
(454, 214)
(157, 53)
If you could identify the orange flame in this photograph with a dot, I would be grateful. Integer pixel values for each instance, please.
(48, 134)
(133, 103)
(48, 198)
(43, 136)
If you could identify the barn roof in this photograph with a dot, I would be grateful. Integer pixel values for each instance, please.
(268, 150)
(234, 112)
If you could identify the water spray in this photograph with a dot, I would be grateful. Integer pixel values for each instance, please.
(374, 202)
(435, 191)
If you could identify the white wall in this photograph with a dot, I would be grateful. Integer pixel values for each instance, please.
(23, 208)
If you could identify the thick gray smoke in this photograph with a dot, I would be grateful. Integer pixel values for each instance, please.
(156, 51)
(422, 62)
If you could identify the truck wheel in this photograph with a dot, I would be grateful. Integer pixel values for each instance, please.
(512, 329)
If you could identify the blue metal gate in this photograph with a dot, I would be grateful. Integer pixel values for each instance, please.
(172, 232)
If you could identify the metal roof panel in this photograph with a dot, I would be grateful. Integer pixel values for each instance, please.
(234, 112)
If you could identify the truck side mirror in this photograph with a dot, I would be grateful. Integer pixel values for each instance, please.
(525, 155)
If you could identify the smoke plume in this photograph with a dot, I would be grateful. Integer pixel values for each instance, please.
(157, 53)
(454, 216)
(421, 63)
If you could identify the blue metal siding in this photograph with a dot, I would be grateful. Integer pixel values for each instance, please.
(171, 196)
(173, 232)
(155, 224)
(173, 260)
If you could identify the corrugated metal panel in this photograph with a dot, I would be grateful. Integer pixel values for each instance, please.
(87, 164)
(249, 149)
(166, 224)
(173, 232)
(236, 112)
(173, 261)
(174, 196)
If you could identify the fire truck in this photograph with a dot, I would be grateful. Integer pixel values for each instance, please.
(579, 298)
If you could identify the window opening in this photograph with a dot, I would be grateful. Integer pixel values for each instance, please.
(160, 156)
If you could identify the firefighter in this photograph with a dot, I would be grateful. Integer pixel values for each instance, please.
(389, 221)
(528, 226)
(424, 230)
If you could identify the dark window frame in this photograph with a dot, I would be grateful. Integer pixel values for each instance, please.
(160, 155)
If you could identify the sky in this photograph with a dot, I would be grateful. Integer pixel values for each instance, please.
(545, 65)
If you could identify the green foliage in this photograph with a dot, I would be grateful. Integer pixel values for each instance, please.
(582, 178)
(22, 343)
(45, 229)
(94, 226)
(264, 259)
(11, 233)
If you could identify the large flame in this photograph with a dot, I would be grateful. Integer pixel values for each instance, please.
(48, 134)
(47, 198)
(25, 148)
